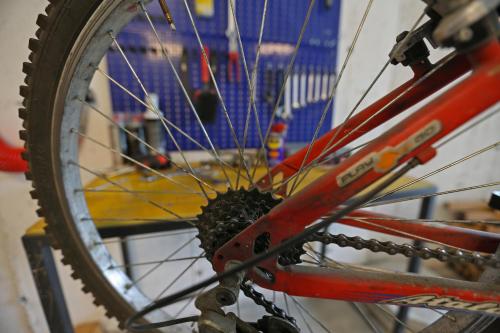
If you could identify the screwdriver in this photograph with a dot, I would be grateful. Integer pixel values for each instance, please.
(166, 12)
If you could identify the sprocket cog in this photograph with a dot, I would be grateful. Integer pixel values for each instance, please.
(228, 214)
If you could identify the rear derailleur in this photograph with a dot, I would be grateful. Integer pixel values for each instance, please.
(214, 320)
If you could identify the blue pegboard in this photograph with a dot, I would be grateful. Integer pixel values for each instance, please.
(317, 54)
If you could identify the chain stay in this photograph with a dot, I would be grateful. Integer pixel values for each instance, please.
(391, 248)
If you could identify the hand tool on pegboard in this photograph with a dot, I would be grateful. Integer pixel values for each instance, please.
(324, 85)
(295, 91)
(284, 111)
(331, 82)
(310, 86)
(287, 106)
(233, 66)
(206, 98)
(303, 88)
(317, 86)
(167, 14)
(279, 82)
(269, 85)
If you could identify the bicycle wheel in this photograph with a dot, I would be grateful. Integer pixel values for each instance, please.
(73, 38)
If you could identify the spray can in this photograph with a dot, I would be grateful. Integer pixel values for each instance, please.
(119, 136)
(152, 124)
(155, 136)
(276, 143)
(134, 126)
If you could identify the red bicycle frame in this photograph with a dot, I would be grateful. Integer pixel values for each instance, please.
(411, 138)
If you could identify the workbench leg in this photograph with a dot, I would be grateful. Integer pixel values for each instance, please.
(43, 269)
(126, 256)
(426, 210)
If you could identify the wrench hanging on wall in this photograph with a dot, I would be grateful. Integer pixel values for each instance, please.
(233, 67)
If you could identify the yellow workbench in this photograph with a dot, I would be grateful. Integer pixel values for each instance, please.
(110, 206)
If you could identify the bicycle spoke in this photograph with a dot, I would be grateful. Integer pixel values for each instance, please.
(395, 317)
(191, 299)
(447, 221)
(150, 271)
(334, 155)
(147, 200)
(324, 260)
(137, 238)
(333, 91)
(148, 263)
(432, 173)
(444, 314)
(343, 153)
(135, 191)
(178, 277)
(183, 88)
(137, 219)
(301, 314)
(467, 128)
(415, 197)
(136, 162)
(315, 260)
(285, 79)
(251, 85)
(287, 307)
(365, 317)
(316, 320)
(217, 90)
(409, 235)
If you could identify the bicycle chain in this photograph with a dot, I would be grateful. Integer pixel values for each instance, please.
(391, 248)
(269, 306)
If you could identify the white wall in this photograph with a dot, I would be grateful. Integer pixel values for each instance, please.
(18, 300)
(20, 308)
